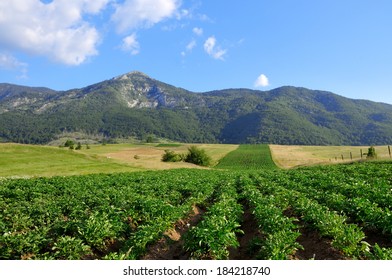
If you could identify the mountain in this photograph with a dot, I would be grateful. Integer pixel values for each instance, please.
(136, 105)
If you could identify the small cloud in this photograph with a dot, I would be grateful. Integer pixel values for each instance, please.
(8, 62)
(191, 45)
(213, 50)
(130, 44)
(262, 81)
(184, 13)
(198, 31)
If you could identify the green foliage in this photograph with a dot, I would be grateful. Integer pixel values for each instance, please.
(197, 156)
(71, 248)
(169, 145)
(69, 144)
(279, 116)
(213, 236)
(79, 146)
(371, 154)
(170, 156)
(150, 139)
(248, 157)
(280, 231)
(118, 216)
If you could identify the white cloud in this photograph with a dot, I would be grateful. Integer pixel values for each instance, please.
(213, 50)
(130, 44)
(134, 14)
(198, 31)
(191, 45)
(262, 81)
(56, 30)
(8, 62)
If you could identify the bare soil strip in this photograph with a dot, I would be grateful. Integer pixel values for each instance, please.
(315, 246)
(373, 237)
(170, 246)
(251, 231)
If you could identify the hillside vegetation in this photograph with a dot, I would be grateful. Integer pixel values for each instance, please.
(135, 105)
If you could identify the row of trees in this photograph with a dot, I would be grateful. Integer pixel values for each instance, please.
(72, 145)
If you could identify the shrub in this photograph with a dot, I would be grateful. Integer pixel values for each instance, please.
(371, 153)
(69, 144)
(170, 156)
(198, 156)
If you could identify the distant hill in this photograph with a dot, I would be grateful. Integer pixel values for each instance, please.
(136, 105)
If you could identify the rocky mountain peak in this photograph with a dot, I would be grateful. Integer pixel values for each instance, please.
(134, 75)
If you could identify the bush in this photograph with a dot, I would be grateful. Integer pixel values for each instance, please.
(198, 156)
(170, 156)
(371, 153)
(69, 144)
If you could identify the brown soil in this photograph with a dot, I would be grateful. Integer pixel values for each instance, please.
(251, 231)
(315, 247)
(373, 237)
(170, 246)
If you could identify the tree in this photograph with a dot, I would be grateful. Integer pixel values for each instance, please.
(150, 139)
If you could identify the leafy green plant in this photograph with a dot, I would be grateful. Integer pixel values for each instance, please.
(70, 248)
(212, 237)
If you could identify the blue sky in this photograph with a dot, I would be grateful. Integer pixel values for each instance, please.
(339, 46)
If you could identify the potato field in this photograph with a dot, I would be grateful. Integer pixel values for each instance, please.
(231, 212)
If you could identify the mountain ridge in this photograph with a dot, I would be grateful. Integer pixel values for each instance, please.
(134, 104)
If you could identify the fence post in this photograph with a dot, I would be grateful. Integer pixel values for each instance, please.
(351, 156)
(389, 149)
(361, 154)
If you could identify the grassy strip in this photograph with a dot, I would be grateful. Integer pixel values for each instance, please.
(248, 157)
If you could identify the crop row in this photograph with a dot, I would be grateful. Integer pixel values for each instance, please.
(360, 208)
(347, 238)
(97, 216)
(279, 232)
(216, 233)
(118, 216)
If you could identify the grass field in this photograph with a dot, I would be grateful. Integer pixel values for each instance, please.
(18, 160)
(294, 156)
(28, 161)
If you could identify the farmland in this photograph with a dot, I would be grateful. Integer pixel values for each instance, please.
(31, 160)
(293, 156)
(249, 157)
(242, 209)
